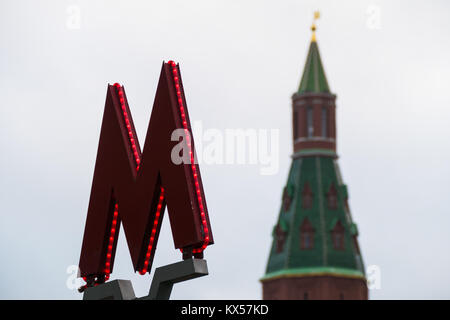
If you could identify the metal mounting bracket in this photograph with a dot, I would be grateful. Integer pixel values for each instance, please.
(161, 288)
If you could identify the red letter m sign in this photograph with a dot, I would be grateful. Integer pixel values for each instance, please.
(132, 188)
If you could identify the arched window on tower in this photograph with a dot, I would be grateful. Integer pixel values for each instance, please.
(295, 125)
(337, 236)
(332, 197)
(306, 235)
(307, 196)
(309, 122)
(324, 122)
(280, 235)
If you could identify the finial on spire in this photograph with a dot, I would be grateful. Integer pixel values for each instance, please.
(313, 27)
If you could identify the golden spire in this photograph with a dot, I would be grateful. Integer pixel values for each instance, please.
(313, 27)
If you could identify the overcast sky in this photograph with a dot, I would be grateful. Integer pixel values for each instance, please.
(387, 61)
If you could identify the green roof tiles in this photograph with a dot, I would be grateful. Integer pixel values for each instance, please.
(313, 79)
(319, 173)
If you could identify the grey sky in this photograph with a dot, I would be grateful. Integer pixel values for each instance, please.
(240, 62)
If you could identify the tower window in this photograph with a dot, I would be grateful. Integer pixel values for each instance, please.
(309, 122)
(307, 197)
(280, 238)
(332, 198)
(295, 125)
(307, 240)
(306, 235)
(337, 236)
(324, 122)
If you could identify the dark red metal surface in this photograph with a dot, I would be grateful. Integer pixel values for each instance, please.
(137, 192)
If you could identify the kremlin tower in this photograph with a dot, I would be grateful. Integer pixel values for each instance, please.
(315, 252)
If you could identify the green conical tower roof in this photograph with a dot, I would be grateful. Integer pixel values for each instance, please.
(314, 234)
(313, 79)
